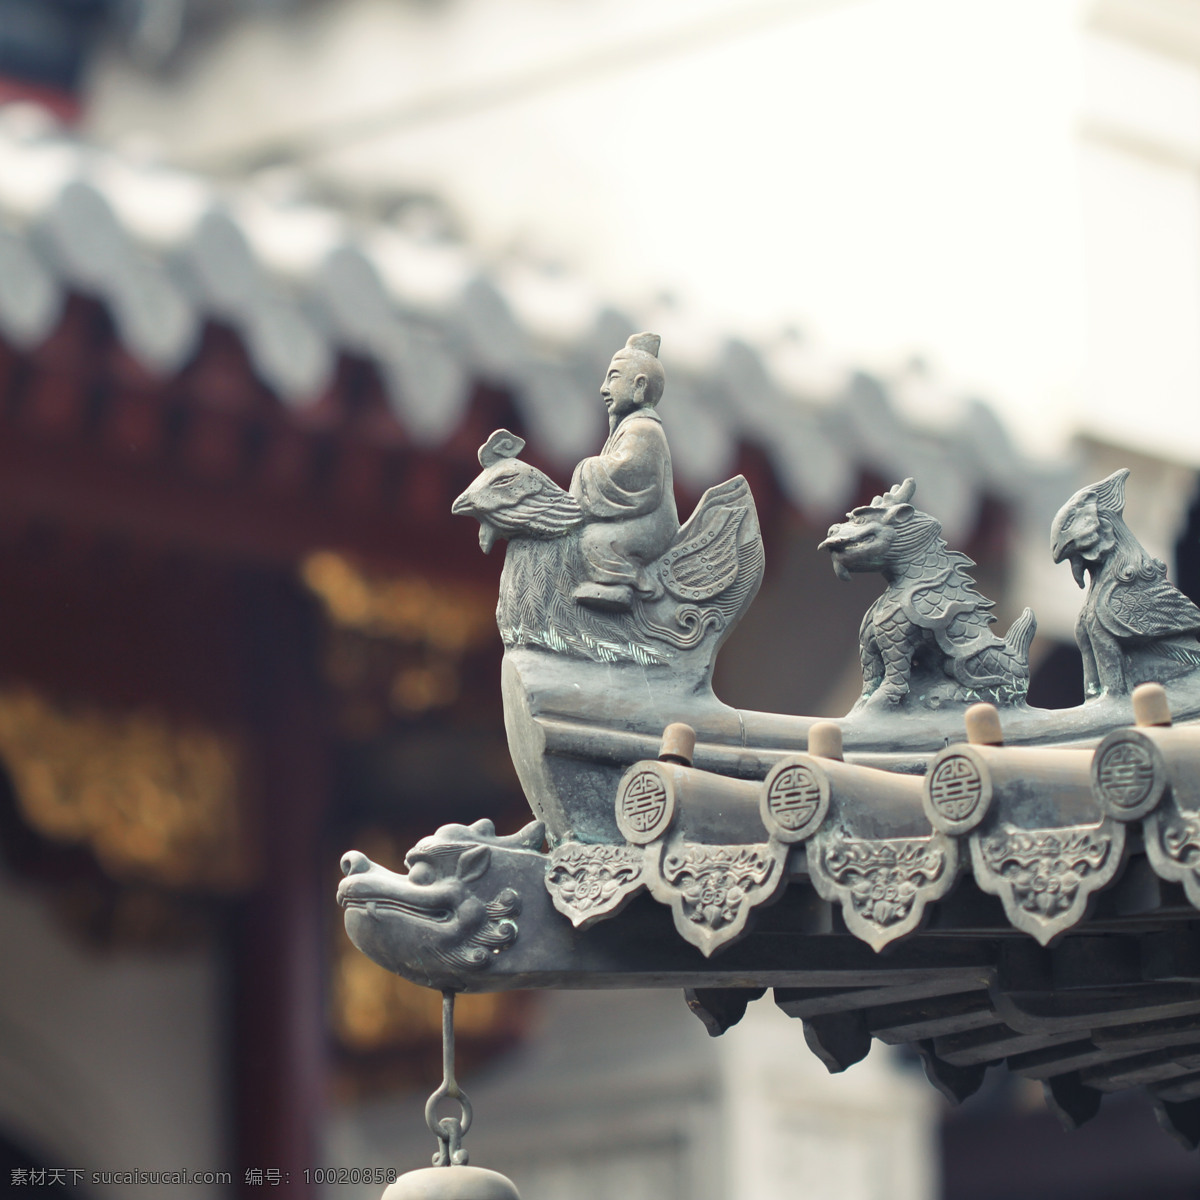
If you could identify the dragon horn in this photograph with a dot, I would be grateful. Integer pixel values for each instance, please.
(529, 837)
(902, 493)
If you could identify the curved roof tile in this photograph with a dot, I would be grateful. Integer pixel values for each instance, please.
(167, 251)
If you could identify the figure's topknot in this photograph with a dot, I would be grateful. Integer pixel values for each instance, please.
(646, 342)
(644, 348)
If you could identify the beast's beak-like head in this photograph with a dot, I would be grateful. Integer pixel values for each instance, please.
(1076, 536)
(464, 506)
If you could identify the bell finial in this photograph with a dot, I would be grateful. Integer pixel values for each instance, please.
(451, 1183)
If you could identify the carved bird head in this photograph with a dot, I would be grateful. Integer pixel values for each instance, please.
(866, 540)
(511, 499)
(1083, 528)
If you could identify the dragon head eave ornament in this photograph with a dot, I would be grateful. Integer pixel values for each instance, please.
(449, 913)
(861, 830)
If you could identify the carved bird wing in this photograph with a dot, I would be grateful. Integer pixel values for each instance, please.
(512, 499)
(549, 513)
(1147, 609)
(703, 560)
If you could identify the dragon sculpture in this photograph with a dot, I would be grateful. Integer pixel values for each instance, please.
(455, 921)
(1135, 626)
(929, 631)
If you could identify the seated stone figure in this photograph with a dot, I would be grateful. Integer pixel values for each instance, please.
(626, 491)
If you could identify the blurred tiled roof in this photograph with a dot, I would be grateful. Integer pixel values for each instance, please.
(166, 252)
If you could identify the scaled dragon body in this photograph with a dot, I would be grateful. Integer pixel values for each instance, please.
(1135, 626)
(929, 633)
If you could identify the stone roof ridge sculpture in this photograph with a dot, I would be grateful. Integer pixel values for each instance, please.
(927, 637)
(604, 571)
(1135, 625)
(735, 850)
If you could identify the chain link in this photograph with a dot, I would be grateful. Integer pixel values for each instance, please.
(449, 1131)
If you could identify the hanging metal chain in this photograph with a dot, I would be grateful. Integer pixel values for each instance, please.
(449, 1131)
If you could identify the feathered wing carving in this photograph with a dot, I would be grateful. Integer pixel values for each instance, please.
(1144, 609)
(702, 562)
(549, 513)
(710, 572)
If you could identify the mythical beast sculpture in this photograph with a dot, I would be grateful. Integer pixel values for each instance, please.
(928, 634)
(610, 611)
(1135, 626)
(699, 585)
(455, 913)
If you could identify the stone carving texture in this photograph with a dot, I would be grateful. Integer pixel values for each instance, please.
(497, 932)
(448, 907)
(1135, 626)
(604, 571)
(700, 586)
(883, 885)
(712, 889)
(611, 614)
(589, 883)
(795, 799)
(1045, 877)
(632, 607)
(625, 492)
(1173, 847)
(645, 806)
(706, 567)
(1181, 839)
(958, 793)
(926, 641)
(1124, 777)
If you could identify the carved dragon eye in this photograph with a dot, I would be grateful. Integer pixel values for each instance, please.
(421, 873)
(505, 479)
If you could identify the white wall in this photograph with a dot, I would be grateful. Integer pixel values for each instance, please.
(796, 1131)
(1140, 155)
